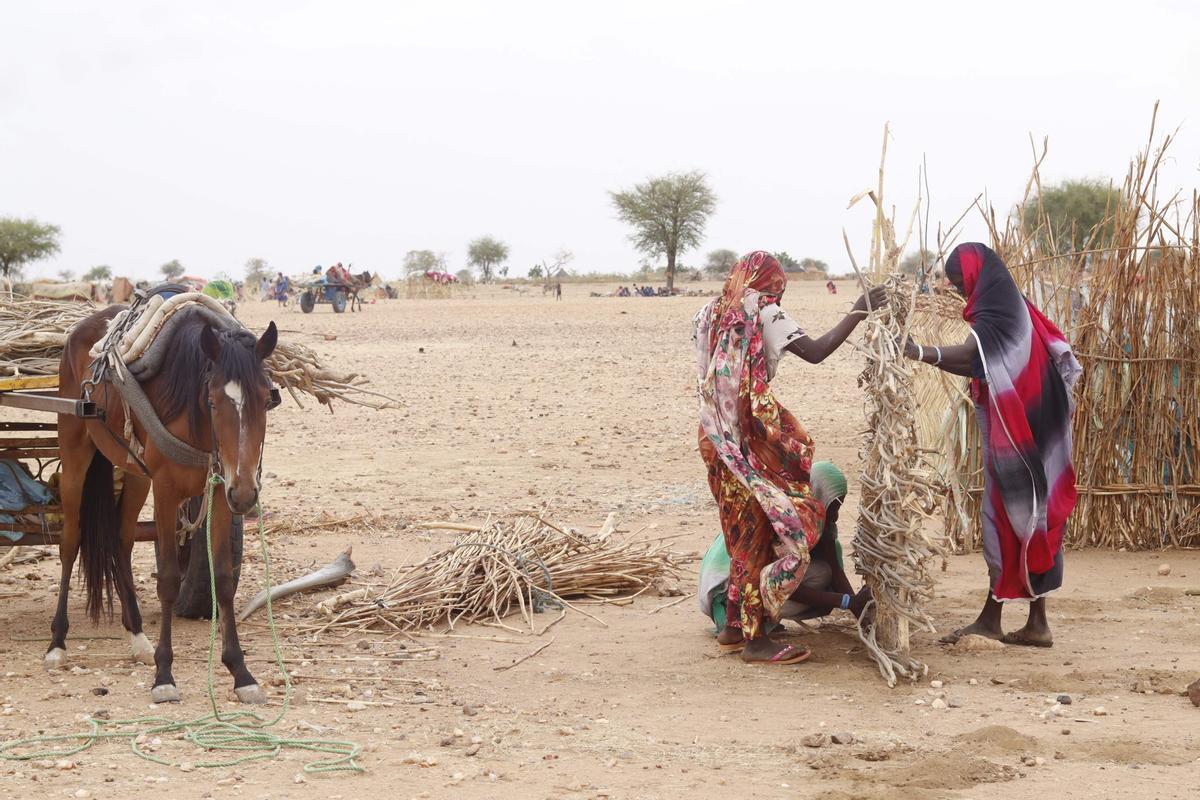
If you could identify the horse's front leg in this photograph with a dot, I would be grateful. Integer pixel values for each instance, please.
(244, 685)
(166, 518)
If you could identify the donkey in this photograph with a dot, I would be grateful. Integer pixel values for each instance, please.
(211, 393)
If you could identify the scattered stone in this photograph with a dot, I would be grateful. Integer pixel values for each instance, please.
(99, 691)
(64, 764)
(1065, 731)
(843, 738)
(102, 713)
(954, 702)
(1059, 755)
(815, 740)
(356, 705)
(936, 684)
(363, 644)
(920, 701)
(82, 794)
(299, 778)
(974, 643)
(470, 711)
(1099, 711)
(1064, 699)
(446, 741)
(1052, 712)
(566, 730)
(1193, 692)
(973, 682)
(938, 703)
(1164, 569)
(473, 749)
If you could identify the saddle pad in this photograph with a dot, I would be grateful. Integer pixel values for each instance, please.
(133, 330)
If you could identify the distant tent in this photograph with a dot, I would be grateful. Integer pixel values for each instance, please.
(52, 290)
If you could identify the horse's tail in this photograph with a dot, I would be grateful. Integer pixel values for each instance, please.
(99, 537)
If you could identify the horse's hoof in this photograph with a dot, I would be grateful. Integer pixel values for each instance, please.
(166, 693)
(56, 658)
(250, 694)
(143, 651)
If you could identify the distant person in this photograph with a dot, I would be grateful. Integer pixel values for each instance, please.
(282, 287)
(1022, 374)
(831, 287)
(558, 291)
(636, 291)
(264, 289)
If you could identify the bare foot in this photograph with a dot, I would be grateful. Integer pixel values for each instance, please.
(1032, 635)
(976, 628)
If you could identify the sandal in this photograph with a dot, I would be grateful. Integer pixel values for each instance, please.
(731, 648)
(789, 654)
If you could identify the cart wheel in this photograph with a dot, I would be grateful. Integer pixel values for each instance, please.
(307, 302)
(195, 597)
(338, 301)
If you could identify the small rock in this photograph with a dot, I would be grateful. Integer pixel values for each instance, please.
(843, 738)
(938, 703)
(954, 702)
(82, 793)
(1029, 761)
(1065, 731)
(446, 741)
(102, 713)
(920, 701)
(1164, 569)
(1099, 711)
(566, 730)
(1193, 691)
(356, 705)
(458, 733)
(1064, 699)
(100, 691)
(64, 764)
(815, 740)
(470, 711)
(936, 684)
(363, 644)
(974, 643)
(299, 778)
(473, 749)
(187, 766)
(1059, 755)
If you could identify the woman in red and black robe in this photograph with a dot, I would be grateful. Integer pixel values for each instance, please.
(1022, 373)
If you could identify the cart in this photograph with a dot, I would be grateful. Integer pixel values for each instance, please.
(36, 445)
(336, 293)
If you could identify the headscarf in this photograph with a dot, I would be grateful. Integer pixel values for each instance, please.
(828, 482)
(1028, 372)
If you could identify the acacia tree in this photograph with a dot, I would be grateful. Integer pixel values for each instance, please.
(257, 270)
(100, 272)
(668, 215)
(172, 269)
(814, 265)
(1074, 208)
(23, 241)
(485, 254)
(422, 261)
(719, 262)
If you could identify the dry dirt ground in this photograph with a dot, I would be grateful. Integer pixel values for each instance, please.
(583, 407)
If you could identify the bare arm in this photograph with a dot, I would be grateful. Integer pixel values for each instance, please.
(814, 351)
(957, 359)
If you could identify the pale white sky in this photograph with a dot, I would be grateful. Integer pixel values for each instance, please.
(307, 133)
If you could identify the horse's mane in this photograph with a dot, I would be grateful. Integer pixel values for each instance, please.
(185, 373)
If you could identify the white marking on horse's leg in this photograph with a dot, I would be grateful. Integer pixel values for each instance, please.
(167, 693)
(143, 651)
(56, 658)
(251, 694)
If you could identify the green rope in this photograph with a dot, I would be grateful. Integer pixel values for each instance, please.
(242, 733)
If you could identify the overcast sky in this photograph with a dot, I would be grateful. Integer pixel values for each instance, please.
(307, 133)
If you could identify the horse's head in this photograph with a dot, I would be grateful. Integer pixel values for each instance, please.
(238, 395)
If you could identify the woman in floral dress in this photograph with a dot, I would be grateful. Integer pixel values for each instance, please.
(758, 455)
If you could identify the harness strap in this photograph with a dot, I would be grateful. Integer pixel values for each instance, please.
(172, 447)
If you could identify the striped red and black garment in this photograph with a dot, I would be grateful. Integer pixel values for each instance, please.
(1024, 376)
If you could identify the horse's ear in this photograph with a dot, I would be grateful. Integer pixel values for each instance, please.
(266, 343)
(209, 343)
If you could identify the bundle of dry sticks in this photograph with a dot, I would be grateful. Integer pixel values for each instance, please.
(34, 332)
(511, 565)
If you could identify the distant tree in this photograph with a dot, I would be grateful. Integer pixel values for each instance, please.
(913, 263)
(98, 273)
(718, 263)
(1074, 208)
(257, 269)
(667, 214)
(465, 276)
(550, 267)
(788, 263)
(485, 254)
(172, 269)
(814, 265)
(23, 241)
(422, 261)
(536, 272)
(503, 272)
(66, 275)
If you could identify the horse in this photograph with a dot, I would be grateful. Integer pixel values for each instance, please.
(212, 393)
(357, 284)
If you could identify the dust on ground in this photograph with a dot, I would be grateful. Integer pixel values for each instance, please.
(579, 408)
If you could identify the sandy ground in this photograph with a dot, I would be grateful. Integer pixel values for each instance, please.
(583, 407)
